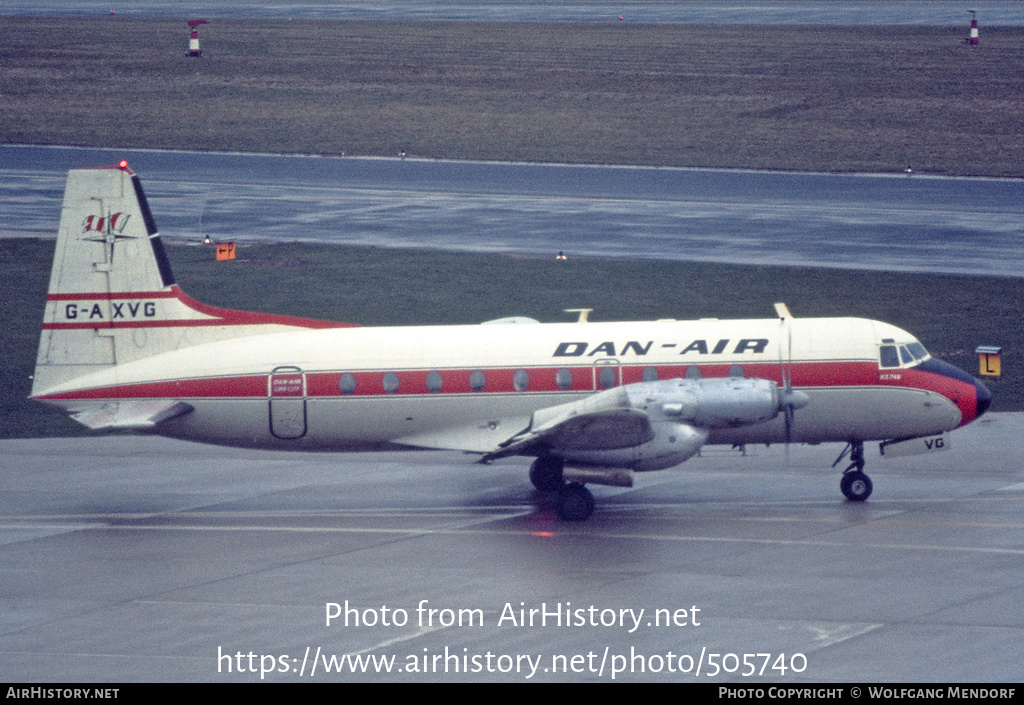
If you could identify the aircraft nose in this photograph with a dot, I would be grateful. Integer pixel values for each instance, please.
(971, 409)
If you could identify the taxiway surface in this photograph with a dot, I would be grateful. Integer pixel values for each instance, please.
(144, 559)
(861, 221)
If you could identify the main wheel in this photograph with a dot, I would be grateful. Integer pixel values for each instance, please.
(546, 473)
(575, 503)
(856, 486)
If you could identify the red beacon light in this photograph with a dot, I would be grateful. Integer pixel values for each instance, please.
(123, 164)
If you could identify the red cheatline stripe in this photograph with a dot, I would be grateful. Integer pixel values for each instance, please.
(221, 316)
(246, 318)
(166, 294)
(217, 387)
(186, 323)
(454, 381)
(542, 379)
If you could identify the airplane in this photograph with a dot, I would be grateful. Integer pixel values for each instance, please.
(122, 347)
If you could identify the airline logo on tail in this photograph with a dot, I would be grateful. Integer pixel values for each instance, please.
(98, 224)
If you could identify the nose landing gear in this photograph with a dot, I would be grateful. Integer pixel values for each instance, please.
(855, 484)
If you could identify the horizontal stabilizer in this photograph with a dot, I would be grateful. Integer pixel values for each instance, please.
(130, 415)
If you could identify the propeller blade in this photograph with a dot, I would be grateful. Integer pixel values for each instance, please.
(789, 400)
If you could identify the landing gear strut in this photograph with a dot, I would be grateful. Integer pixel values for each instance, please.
(575, 502)
(855, 484)
(546, 473)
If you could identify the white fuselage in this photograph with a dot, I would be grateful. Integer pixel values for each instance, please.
(471, 387)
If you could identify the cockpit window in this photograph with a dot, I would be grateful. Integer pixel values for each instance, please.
(890, 358)
(893, 355)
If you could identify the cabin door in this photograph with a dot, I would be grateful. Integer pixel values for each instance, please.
(287, 402)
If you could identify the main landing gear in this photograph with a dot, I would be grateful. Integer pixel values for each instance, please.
(575, 502)
(855, 484)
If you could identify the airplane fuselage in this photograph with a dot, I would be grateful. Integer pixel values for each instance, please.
(466, 386)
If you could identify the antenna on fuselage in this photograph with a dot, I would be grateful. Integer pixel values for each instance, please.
(583, 312)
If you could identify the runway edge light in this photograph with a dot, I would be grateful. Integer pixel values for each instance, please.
(989, 360)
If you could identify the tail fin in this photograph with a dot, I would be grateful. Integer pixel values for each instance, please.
(112, 296)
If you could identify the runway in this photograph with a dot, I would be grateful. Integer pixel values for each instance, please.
(128, 559)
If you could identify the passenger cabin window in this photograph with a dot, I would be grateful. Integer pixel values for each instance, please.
(477, 381)
(521, 380)
(564, 379)
(434, 382)
(347, 383)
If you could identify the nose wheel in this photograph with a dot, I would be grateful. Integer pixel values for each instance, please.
(855, 484)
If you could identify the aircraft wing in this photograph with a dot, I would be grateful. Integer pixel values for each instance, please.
(604, 421)
(138, 415)
(598, 422)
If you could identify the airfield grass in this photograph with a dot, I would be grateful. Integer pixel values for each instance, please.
(950, 314)
(805, 98)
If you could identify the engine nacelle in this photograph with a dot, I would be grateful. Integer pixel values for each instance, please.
(708, 403)
(649, 425)
(671, 444)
